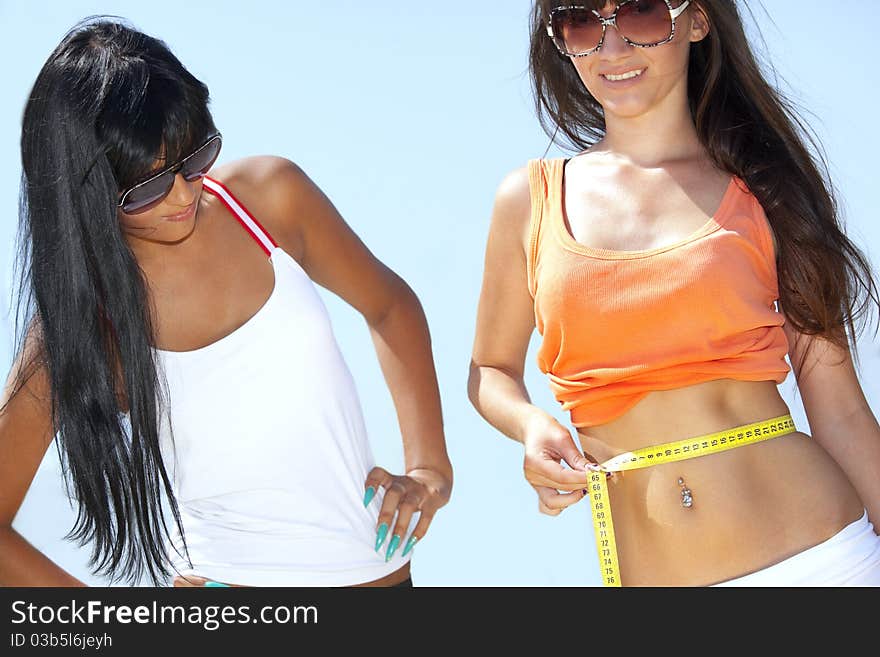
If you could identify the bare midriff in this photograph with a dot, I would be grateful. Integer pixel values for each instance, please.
(753, 506)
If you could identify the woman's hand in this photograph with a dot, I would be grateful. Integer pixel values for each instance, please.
(420, 490)
(547, 445)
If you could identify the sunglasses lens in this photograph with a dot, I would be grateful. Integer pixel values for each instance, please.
(645, 22)
(198, 165)
(577, 30)
(148, 194)
(142, 198)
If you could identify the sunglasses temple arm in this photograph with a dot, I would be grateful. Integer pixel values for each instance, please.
(678, 11)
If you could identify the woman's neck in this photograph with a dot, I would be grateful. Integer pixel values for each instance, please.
(649, 140)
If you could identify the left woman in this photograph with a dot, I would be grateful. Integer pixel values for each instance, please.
(177, 346)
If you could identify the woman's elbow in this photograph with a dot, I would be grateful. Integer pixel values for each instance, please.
(474, 380)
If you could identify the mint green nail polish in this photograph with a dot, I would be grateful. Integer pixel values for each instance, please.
(381, 534)
(216, 585)
(409, 545)
(392, 547)
(368, 495)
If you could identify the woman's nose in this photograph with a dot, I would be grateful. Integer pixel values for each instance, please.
(613, 45)
(183, 193)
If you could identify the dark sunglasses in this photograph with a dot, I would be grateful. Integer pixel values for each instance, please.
(578, 31)
(146, 194)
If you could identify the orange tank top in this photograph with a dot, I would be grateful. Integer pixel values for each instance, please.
(617, 325)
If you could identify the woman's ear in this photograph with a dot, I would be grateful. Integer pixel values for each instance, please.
(699, 24)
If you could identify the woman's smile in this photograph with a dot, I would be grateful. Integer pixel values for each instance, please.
(625, 78)
(184, 215)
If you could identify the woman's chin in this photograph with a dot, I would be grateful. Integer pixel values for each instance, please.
(626, 108)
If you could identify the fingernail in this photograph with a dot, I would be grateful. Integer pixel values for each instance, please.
(368, 495)
(584, 491)
(215, 585)
(392, 547)
(381, 534)
(409, 545)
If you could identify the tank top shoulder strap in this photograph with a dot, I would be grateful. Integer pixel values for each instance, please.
(744, 206)
(239, 211)
(545, 190)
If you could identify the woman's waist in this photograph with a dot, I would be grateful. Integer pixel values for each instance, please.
(666, 416)
(301, 464)
(376, 574)
(279, 545)
(740, 479)
(726, 514)
(354, 566)
(277, 516)
(260, 546)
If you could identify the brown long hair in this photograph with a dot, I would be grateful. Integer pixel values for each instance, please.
(750, 129)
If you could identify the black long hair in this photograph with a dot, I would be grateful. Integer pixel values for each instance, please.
(107, 103)
(748, 128)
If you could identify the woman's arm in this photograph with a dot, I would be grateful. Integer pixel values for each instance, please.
(505, 322)
(335, 258)
(505, 317)
(840, 419)
(25, 434)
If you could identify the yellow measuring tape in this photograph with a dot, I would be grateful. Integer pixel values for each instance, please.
(645, 457)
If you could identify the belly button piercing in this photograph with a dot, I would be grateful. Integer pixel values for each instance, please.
(686, 500)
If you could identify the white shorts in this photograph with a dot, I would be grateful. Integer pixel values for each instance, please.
(849, 558)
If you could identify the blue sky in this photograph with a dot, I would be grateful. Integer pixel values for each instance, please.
(408, 115)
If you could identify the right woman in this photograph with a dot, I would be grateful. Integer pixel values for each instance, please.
(670, 265)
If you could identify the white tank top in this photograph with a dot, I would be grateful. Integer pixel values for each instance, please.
(270, 451)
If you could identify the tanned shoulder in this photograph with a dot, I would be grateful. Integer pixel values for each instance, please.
(272, 189)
